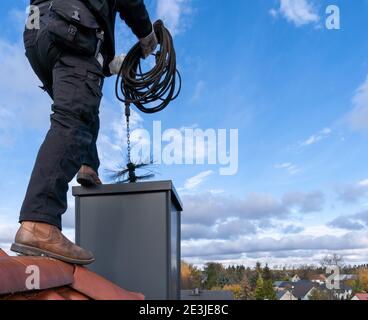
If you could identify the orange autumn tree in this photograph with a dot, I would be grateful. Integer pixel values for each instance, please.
(191, 277)
(360, 285)
(236, 289)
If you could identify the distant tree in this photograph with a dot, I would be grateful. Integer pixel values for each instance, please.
(247, 289)
(361, 283)
(191, 277)
(363, 278)
(213, 273)
(268, 290)
(236, 289)
(223, 279)
(267, 273)
(305, 272)
(185, 276)
(252, 278)
(258, 267)
(332, 260)
(318, 294)
(259, 290)
(233, 275)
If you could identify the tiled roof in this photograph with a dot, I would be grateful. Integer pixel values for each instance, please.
(58, 281)
(284, 284)
(362, 296)
(320, 277)
(280, 294)
(302, 287)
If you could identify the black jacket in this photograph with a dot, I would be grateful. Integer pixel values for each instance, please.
(133, 12)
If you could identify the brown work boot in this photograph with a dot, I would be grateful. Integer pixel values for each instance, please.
(88, 177)
(41, 239)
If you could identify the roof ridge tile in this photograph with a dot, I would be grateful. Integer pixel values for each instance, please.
(101, 288)
(58, 281)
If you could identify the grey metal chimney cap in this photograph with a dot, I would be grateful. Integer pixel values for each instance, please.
(155, 186)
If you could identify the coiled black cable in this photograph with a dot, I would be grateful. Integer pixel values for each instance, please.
(150, 91)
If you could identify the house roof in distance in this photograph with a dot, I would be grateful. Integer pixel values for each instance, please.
(302, 287)
(58, 281)
(207, 295)
(284, 284)
(318, 277)
(280, 294)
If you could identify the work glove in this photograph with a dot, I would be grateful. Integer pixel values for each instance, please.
(149, 44)
(115, 65)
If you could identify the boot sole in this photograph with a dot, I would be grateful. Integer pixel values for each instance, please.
(85, 180)
(35, 252)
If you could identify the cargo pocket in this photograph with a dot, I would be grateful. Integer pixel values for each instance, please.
(73, 26)
(94, 85)
(78, 88)
(65, 83)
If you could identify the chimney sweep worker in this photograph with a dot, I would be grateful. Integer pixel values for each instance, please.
(71, 52)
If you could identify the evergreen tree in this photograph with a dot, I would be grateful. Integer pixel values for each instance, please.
(268, 290)
(259, 292)
(258, 267)
(213, 273)
(267, 273)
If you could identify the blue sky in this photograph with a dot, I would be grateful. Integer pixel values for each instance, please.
(296, 91)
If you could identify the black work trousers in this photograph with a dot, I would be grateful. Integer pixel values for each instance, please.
(74, 82)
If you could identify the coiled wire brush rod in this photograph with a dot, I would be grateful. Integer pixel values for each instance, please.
(150, 91)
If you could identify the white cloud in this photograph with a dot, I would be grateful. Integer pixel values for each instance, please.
(291, 168)
(358, 117)
(207, 208)
(293, 246)
(7, 232)
(323, 134)
(194, 182)
(352, 222)
(173, 13)
(363, 183)
(298, 12)
(20, 96)
(353, 193)
(198, 91)
(112, 138)
(304, 202)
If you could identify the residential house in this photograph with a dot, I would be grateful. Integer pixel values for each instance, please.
(193, 295)
(303, 289)
(288, 290)
(296, 278)
(319, 278)
(282, 285)
(361, 297)
(346, 277)
(285, 295)
(343, 293)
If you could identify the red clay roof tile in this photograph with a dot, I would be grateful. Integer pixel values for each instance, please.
(14, 272)
(58, 281)
(362, 296)
(101, 289)
(71, 294)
